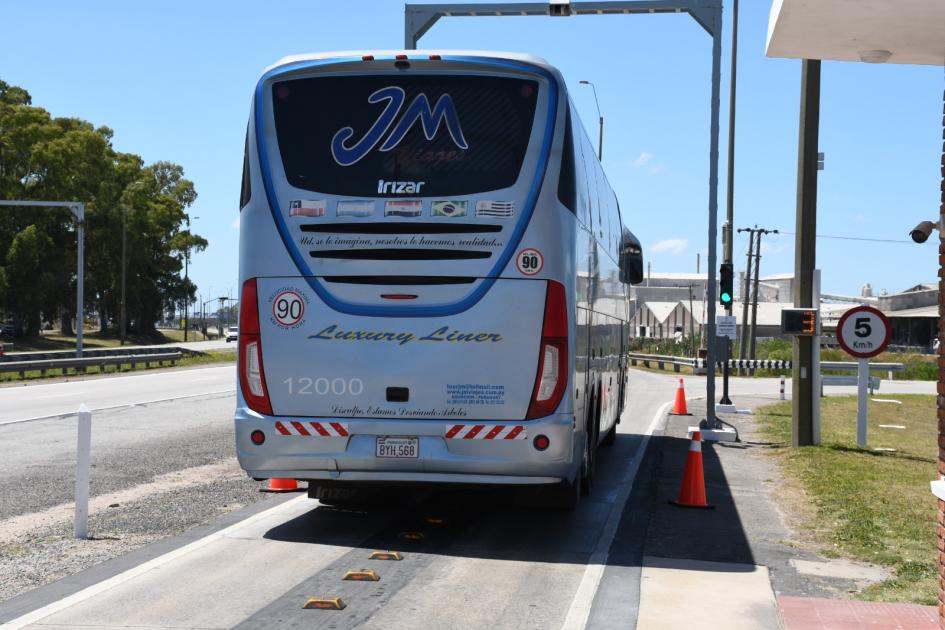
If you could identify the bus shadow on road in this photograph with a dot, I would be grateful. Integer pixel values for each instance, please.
(512, 524)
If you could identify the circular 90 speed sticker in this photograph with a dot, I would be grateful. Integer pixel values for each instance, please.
(529, 261)
(288, 308)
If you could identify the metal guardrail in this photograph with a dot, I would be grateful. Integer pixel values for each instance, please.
(660, 360)
(44, 355)
(771, 364)
(826, 381)
(44, 365)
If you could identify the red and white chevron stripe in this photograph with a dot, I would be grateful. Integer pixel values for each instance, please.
(312, 429)
(486, 432)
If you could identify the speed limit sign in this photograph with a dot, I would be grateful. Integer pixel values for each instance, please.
(863, 332)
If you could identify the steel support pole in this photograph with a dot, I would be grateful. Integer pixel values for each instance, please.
(802, 429)
(862, 383)
(124, 267)
(711, 421)
(728, 238)
(79, 211)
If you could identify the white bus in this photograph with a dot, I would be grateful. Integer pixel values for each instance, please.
(432, 287)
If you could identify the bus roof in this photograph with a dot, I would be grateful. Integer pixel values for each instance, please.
(415, 54)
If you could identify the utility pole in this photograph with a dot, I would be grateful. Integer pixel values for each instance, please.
(802, 422)
(754, 298)
(743, 345)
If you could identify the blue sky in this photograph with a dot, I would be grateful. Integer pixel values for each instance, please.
(174, 81)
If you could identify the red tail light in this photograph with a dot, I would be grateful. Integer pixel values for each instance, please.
(552, 377)
(252, 376)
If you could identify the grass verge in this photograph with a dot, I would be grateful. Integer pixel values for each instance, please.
(867, 505)
(214, 356)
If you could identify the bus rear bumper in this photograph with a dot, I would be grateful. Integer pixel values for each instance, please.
(441, 459)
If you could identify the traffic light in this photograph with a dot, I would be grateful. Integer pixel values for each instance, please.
(726, 284)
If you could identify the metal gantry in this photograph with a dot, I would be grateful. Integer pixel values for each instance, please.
(420, 18)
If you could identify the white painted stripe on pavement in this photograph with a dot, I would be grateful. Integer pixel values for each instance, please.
(155, 563)
(580, 608)
(118, 406)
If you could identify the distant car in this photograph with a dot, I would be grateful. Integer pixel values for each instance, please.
(7, 329)
(232, 333)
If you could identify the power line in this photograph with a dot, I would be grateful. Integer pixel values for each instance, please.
(855, 238)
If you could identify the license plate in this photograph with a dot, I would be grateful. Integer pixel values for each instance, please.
(397, 447)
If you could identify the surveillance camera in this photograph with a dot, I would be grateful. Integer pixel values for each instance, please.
(559, 8)
(921, 232)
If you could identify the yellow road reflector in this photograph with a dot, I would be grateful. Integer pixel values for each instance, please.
(331, 603)
(385, 555)
(412, 535)
(435, 520)
(363, 575)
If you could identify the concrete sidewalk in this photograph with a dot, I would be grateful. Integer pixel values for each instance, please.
(739, 565)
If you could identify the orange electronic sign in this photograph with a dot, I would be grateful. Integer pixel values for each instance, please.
(799, 321)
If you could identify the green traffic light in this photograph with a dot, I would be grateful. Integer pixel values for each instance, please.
(726, 298)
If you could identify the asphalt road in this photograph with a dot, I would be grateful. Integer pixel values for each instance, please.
(24, 401)
(487, 559)
(498, 558)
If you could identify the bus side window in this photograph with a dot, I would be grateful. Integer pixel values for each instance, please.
(590, 163)
(246, 191)
(567, 194)
(584, 201)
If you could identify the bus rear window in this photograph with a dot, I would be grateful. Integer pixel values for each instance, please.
(458, 135)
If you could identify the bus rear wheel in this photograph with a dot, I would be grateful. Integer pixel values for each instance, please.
(592, 430)
(566, 495)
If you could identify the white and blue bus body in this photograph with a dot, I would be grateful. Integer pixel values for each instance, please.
(430, 282)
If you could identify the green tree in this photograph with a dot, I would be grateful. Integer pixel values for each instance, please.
(68, 159)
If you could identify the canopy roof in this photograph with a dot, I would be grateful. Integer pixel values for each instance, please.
(911, 31)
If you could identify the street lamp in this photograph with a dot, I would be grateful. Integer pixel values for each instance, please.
(600, 138)
(186, 281)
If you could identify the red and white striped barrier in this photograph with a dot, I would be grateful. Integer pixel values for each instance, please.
(486, 432)
(312, 429)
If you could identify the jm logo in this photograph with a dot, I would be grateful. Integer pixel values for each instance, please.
(419, 108)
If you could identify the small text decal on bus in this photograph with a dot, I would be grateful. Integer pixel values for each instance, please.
(419, 108)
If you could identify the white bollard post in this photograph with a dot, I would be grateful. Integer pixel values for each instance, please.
(82, 464)
(782, 387)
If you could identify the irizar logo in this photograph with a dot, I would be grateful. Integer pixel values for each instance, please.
(398, 188)
(419, 109)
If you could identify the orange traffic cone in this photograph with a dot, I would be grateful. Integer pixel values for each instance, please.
(692, 492)
(679, 406)
(281, 485)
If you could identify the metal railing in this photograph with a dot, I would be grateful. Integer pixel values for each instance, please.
(82, 364)
(661, 361)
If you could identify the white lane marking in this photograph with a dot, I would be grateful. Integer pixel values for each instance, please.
(580, 608)
(116, 580)
(118, 406)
